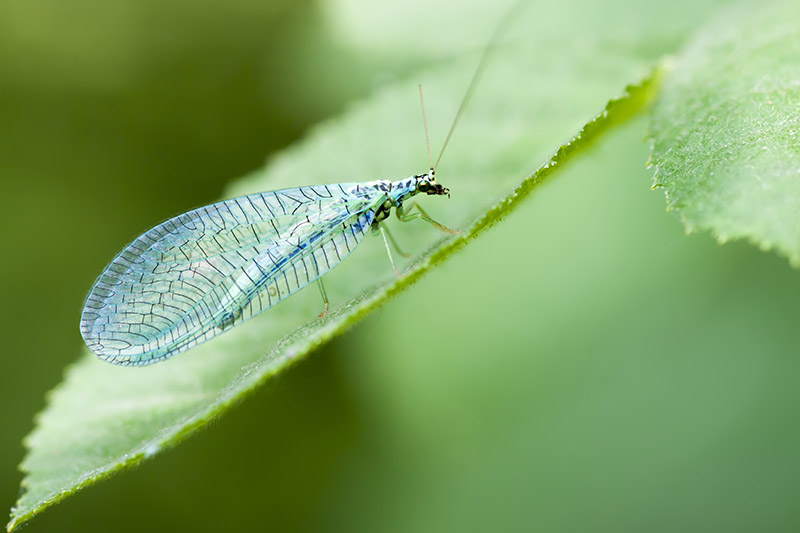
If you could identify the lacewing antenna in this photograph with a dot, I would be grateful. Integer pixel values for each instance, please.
(425, 123)
(482, 63)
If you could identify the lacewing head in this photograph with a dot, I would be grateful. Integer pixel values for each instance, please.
(426, 183)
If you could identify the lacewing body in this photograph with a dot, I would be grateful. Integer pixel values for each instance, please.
(202, 272)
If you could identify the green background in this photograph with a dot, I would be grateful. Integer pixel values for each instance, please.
(589, 366)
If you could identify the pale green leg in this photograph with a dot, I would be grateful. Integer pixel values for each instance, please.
(405, 215)
(321, 289)
(384, 233)
(387, 233)
(324, 297)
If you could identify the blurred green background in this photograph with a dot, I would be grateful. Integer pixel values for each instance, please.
(592, 367)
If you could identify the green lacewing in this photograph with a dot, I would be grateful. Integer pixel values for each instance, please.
(205, 271)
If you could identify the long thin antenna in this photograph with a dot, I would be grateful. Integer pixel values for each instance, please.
(478, 72)
(425, 123)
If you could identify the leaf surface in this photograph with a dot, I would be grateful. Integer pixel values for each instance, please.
(726, 129)
(533, 111)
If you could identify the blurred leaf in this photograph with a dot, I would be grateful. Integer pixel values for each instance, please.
(424, 28)
(726, 129)
(103, 418)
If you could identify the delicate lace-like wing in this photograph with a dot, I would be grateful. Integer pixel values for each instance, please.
(199, 273)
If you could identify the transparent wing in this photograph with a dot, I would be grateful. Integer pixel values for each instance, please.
(202, 272)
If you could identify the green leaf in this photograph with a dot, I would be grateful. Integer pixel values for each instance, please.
(541, 88)
(726, 129)
(104, 418)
